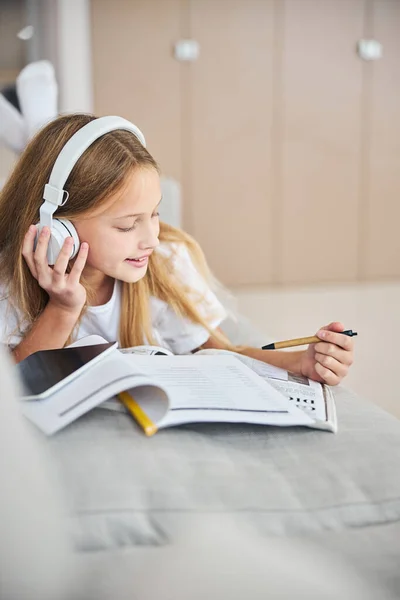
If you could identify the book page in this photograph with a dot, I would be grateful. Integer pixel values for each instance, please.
(301, 391)
(217, 388)
(261, 368)
(91, 340)
(147, 350)
(305, 393)
(88, 340)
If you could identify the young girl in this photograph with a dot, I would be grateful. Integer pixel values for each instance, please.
(134, 279)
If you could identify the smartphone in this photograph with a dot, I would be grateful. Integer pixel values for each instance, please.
(44, 372)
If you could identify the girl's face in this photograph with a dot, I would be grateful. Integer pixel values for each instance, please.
(124, 231)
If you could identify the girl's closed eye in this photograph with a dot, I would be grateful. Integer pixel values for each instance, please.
(125, 229)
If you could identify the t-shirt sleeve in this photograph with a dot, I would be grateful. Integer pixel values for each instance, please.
(10, 332)
(181, 334)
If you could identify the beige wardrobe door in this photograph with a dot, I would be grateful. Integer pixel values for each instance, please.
(321, 119)
(12, 49)
(381, 209)
(228, 137)
(135, 74)
(12, 60)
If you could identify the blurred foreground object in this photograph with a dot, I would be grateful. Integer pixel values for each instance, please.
(223, 561)
(35, 553)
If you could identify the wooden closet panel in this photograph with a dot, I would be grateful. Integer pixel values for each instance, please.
(135, 74)
(228, 136)
(12, 60)
(322, 87)
(12, 49)
(382, 210)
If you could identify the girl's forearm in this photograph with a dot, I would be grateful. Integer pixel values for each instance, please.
(51, 330)
(290, 361)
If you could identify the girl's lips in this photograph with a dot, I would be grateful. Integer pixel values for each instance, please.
(137, 262)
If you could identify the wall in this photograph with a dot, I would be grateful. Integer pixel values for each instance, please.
(285, 141)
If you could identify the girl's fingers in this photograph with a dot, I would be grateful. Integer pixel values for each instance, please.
(60, 266)
(28, 249)
(336, 338)
(338, 369)
(326, 375)
(342, 356)
(40, 257)
(79, 263)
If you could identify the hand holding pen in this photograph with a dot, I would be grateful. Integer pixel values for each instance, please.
(328, 356)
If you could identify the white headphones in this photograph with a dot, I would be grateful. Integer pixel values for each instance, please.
(54, 194)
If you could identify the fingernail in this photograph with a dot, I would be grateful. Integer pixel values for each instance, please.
(32, 228)
(44, 231)
(322, 334)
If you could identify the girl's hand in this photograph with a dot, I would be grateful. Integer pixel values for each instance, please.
(64, 289)
(328, 361)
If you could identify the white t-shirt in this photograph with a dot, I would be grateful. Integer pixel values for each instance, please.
(170, 331)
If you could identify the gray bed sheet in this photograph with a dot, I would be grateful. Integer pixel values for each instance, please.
(125, 489)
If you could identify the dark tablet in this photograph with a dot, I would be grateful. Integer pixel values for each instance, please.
(45, 371)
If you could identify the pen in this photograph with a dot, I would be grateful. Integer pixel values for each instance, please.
(300, 341)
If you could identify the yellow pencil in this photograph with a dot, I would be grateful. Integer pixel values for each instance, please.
(301, 341)
(139, 415)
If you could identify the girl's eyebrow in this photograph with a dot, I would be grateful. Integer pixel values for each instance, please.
(138, 214)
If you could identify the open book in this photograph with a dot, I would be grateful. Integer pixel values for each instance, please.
(162, 390)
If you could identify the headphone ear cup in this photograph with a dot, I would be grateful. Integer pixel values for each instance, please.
(61, 229)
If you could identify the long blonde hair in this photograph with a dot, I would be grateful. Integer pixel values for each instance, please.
(100, 172)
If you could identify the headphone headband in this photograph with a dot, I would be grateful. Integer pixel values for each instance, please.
(54, 194)
(54, 190)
